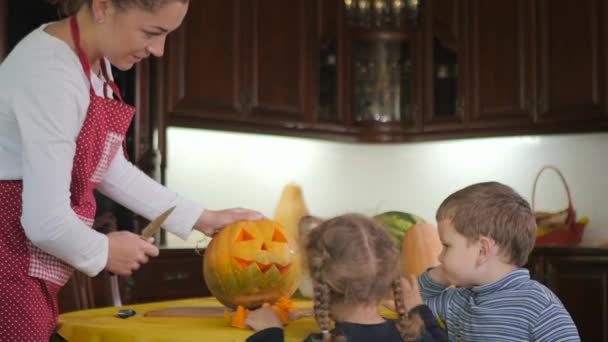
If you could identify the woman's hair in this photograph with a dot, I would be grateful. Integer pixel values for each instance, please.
(353, 261)
(69, 7)
(496, 211)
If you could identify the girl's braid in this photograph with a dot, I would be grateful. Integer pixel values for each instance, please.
(409, 327)
(321, 306)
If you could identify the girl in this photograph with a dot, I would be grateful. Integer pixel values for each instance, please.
(354, 265)
(61, 131)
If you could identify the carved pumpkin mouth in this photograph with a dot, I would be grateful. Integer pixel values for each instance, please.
(243, 264)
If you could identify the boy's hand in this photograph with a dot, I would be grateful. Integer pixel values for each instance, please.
(411, 292)
(263, 318)
(438, 275)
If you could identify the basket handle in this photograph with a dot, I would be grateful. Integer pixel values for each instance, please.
(571, 213)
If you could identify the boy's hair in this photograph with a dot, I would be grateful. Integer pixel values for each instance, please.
(353, 261)
(496, 211)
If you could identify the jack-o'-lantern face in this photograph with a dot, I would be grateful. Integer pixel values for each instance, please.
(250, 263)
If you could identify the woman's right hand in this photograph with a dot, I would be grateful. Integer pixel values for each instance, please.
(127, 252)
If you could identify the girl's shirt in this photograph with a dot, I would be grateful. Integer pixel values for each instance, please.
(44, 96)
(385, 332)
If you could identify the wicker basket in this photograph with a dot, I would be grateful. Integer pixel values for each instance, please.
(557, 228)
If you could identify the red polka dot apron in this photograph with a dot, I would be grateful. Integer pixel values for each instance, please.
(29, 277)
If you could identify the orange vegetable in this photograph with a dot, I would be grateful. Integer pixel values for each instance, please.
(282, 307)
(421, 249)
(250, 263)
(239, 317)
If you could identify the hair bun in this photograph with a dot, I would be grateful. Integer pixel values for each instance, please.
(67, 7)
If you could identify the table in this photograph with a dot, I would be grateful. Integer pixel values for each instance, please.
(99, 325)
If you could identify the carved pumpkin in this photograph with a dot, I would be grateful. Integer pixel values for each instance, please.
(250, 263)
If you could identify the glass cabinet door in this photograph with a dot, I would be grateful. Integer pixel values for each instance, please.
(382, 80)
(443, 53)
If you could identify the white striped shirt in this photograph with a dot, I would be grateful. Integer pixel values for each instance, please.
(514, 308)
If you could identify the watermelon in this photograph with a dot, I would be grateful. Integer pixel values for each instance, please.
(397, 224)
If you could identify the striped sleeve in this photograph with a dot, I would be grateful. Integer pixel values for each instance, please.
(436, 296)
(555, 325)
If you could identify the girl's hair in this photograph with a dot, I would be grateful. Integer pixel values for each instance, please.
(69, 7)
(353, 261)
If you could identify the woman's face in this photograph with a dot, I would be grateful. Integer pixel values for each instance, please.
(127, 36)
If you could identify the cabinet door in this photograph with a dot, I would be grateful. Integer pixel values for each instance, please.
(501, 63)
(174, 274)
(205, 63)
(281, 60)
(444, 70)
(581, 283)
(572, 42)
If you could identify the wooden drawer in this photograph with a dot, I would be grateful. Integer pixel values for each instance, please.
(174, 274)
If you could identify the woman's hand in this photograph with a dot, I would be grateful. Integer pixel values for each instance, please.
(263, 318)
(127, 252)
(411, 292)
(212, 221)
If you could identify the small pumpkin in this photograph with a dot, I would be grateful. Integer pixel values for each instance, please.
(250, 263)
(421, 249)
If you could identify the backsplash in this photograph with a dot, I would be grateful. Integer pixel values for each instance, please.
(226, 169)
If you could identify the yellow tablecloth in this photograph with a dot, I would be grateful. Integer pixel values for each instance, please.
(99, 325)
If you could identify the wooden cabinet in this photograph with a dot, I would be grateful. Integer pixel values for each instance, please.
(478, 68)
(500, 56)
(174, 274)
(572, 57)
(242, 62)
(281, 55)
(445, 68)
(579, 277)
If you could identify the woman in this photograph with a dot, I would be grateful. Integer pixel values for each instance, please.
(61, 131)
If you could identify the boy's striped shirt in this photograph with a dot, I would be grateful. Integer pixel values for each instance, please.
(514, 308)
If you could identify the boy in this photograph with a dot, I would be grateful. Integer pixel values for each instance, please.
(488, 231)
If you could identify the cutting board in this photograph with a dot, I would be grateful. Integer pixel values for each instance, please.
(189, 311)
(213, 312)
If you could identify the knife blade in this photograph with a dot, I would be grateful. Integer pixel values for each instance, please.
(154, 226)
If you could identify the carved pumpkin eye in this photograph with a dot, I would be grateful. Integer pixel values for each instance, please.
(244, 236)
(277, 236)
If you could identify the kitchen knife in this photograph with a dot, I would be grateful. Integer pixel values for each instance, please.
(154, 226)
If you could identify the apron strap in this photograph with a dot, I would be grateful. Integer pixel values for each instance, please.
(109, 81)
(85, 62)
(83, 59)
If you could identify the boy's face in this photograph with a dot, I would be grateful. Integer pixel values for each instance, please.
(459, 258)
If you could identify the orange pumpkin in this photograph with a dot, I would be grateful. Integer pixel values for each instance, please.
(421, 249)
(250, 263)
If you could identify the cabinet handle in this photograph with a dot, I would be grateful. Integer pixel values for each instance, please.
(176, 276)
(460, 106)
(243, 98)
(542, 105)
(531, 104)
